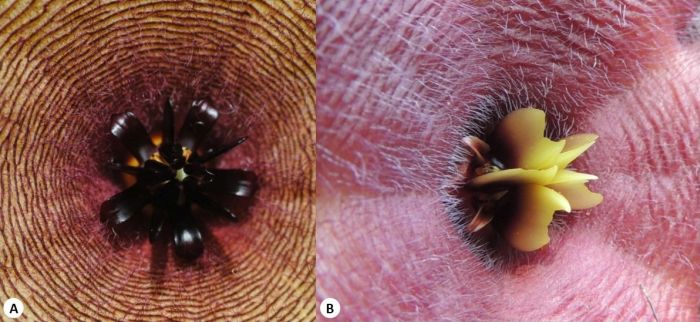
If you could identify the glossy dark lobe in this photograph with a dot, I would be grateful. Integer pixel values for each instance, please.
(171, 177)
(199, 121)
(129, 130)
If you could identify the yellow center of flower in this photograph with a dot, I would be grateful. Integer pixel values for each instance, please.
(535, 178)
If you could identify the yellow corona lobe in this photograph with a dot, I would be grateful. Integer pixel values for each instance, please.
(535, 177)
(527, 231)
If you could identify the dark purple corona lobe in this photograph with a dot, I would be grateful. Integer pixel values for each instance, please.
(187, 238)
(125, 205)
(129, 130)
(173, 176)
(200, 120)
(231, 181)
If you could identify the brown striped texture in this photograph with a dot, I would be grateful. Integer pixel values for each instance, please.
(65, 67)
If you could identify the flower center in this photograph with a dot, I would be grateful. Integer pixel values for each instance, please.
(168, 174)
(180, 174)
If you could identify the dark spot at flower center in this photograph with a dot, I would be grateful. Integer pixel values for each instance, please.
(171, 177)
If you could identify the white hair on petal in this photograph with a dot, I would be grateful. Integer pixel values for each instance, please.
(400, 83)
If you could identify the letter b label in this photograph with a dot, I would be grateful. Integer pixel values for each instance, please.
(330, 308)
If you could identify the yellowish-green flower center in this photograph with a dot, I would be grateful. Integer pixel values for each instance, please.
(535, 179)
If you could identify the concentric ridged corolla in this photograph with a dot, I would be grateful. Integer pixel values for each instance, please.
(523, 177)
(171, 177)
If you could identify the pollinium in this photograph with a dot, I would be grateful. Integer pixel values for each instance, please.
(172, 176)
(520, 178)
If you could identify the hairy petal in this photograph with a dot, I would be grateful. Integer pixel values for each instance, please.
(418, 76)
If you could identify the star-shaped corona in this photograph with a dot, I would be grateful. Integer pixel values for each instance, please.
(171, 176)
(522, 177)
